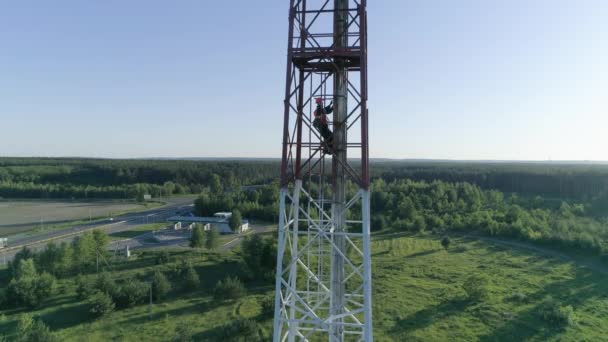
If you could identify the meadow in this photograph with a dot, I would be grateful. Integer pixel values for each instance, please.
(419, 294)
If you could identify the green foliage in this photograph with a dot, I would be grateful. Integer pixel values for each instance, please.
(212, 239)
(33, 330)
(84, 287)
(556, 314)
(461, 206)
(162, 258)
(476, 287)
(242, 330)
(259, 255)
(104, 178)
(197, 239)
(235, 221)
(24, 253)
(191, 280)
(267, 305)
(160, 285)
(183, 332)
(446, 242)
(28, 287)
(229, 289)
(130, 293)
(100, 304)
(106, 284)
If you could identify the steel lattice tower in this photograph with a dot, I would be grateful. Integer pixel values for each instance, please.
(323, 281)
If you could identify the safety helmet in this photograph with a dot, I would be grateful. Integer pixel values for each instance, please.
(319, 100)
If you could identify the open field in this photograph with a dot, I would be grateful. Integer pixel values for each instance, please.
(22, 216)
(418, 296)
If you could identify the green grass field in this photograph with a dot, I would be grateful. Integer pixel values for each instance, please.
(417, 288)
(26, 216)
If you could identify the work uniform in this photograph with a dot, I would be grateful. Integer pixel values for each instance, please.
(320, 121)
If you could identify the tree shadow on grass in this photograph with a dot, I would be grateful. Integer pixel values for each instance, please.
(67, 316)
(425, 317)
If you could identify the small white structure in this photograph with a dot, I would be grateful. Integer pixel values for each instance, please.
(219, 223)
(223, 214)
(147, 197)
(177, 225)
(3, 242)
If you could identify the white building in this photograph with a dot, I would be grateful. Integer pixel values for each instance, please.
(219, 223)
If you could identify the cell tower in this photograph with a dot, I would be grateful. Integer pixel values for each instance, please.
(323, 281)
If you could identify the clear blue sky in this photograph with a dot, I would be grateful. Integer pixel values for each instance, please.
(503, 79)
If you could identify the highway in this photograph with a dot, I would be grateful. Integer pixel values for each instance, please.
(117, 224)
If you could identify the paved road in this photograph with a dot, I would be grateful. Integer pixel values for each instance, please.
(118, 224)
(181, 240)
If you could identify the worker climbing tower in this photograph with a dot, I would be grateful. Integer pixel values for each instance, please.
(323, 281)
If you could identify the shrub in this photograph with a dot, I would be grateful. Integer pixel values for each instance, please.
(212, 241)
(191, 280)
(105, 283)
(242, 330)
(229, 288)
(28, 287)
(556, 314)
(445, 242)
(160, 286)
(100, 304)
(267, 306)
(84, 287)
(131, 293)
(162, 258)
(476, 287)
(33, 330)
(197, 240)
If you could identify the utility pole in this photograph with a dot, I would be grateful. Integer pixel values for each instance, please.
(323, 280)
(150, 306)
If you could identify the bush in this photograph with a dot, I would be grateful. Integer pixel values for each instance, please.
(28, 287)
(160, 286)
(267, 306)
(445, 242)
(105, 283)
(191, 280)
(229, 288)
(100, 304)
(212, 241)
(242, 330)
(131, 293)
(197, 240)
(560, 316)
(33, 330)
(84, 288)
(162, 258)
(476, 287)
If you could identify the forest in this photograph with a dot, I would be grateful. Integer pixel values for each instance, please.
(563, 205)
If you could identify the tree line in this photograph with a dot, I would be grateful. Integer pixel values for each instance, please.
(128, 178)
(463, 207)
